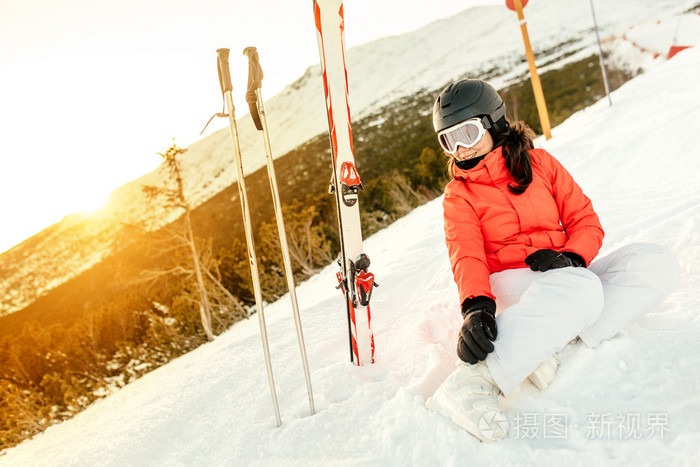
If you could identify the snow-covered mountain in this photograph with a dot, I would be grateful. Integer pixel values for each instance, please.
(482, 41)
(631, 401)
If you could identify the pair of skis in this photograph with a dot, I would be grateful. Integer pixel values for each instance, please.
(354, 278)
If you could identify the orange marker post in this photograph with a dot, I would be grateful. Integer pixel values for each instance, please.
(534, 77)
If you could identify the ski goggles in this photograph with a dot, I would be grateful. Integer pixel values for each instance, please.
(465, 134)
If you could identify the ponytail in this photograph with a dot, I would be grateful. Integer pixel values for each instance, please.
(517, 141)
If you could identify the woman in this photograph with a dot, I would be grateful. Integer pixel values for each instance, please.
(522, 237)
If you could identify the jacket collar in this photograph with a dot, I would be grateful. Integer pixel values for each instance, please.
(490, 168)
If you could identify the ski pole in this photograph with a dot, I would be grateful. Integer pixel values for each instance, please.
(226, 89)
(257, 112)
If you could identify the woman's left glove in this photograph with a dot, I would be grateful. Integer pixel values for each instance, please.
(478, 330)
(544, 260)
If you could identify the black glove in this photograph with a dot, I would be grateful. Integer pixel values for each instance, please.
(544, 260)
(478, 330)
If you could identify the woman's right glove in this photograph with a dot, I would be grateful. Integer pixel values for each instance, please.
(478, 330)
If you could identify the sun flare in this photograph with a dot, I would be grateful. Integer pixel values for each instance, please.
(92, 204)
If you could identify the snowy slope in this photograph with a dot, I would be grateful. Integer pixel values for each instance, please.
(638, 162)
(482, 41)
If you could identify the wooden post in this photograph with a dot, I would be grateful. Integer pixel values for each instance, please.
(534, 77)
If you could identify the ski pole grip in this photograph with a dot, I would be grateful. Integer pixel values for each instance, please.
(255, 73)
(255, 76)
(224, 71)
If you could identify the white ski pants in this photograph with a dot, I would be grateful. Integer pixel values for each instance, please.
(540, 312)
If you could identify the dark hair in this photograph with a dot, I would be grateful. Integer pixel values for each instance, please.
(516, 139)
(517, 142)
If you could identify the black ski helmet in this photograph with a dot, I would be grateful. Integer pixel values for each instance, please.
(469, 98)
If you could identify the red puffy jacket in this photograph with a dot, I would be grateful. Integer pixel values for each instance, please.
(489, 229)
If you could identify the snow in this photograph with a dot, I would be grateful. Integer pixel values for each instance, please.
(631, 401)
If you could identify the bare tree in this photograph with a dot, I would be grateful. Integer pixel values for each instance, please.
(172, 193)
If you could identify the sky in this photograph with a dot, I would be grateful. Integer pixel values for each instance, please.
(92, 90)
